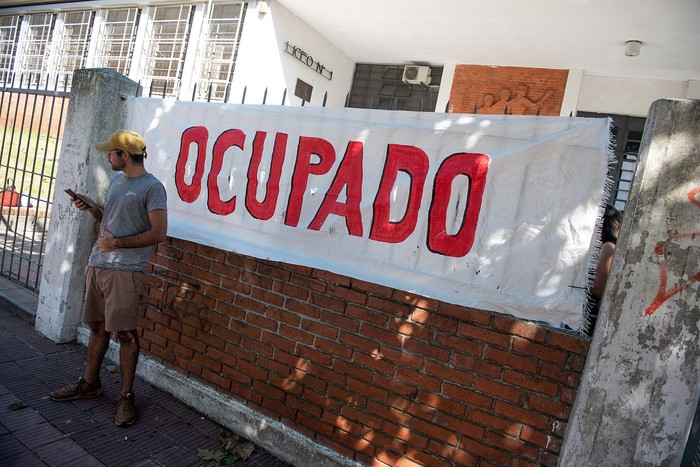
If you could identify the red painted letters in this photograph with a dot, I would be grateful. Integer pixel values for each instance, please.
(317, 157)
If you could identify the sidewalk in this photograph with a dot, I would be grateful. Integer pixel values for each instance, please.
(35, 431)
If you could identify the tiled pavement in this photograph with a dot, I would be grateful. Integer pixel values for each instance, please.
(36, 431)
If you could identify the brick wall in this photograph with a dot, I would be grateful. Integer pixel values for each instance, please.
(525, 91)
(380, 375)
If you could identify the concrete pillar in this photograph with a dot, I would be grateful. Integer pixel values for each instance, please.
(96, 109)
(640, 386)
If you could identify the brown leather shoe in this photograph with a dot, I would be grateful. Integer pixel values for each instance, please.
(78, 390)
(126, 409)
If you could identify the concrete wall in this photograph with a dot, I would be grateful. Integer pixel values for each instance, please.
(629, 96)
(262, 62)
(641, 383)
(94, 112)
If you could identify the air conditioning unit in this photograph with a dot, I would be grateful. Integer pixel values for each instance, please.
(413, 74)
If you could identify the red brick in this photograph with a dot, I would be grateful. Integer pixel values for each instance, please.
(343, 396)
(333, 348)
(389, 414)
(215, 378)
(570, 342)
(180, 350)
(232, 283)
(416, 301)
(387, 306)
(440, 403)
(332, 277)
(373, 363)
(189, 366)
(499, 390)
(507, 359)
(273, 272)
(496, 455)
(435, 431)
(559, 374)
(249, 304)
(521, 415)
(550, 407)
(523, 329)
(302, 405)
(290, 290)
(449, 373)
(415, 457)
(421, 380)
(315, 356)
(268, 297)
(309, 283)
(530, 382)
(375, 317)
(460, 345)
(319, 329)
(260, 321)
(161, 353)
(467, 396)
(494, 422)
(295, 334)
(411, 329)
(361, 417)
(403, 359)
(346, 295)
(423, 349)
(540, 352)
(371, 288)
(513, 445)
(302, 307)
(535, 437)
(455, 455)
(193, 344)
(330, 376)
(207, 363)
(484, 335)
(339, 320)
(460, 425)
(380, 335)
(463, 314)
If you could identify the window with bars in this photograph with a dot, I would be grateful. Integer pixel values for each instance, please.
(9, 38)
(117, 39)
(380, 86)
(218, 48)
(165, 56)
(36, 46)
(74, 43)
(627, 136)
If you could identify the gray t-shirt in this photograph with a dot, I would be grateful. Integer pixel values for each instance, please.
(127, 204)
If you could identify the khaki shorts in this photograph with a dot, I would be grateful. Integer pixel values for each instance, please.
(113, 296)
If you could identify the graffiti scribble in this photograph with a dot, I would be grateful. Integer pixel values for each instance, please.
(661, 251)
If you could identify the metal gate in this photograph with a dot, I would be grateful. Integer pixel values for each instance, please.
(31, 127)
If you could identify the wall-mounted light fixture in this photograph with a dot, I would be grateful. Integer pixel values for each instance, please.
(632, 48)
(263, 7)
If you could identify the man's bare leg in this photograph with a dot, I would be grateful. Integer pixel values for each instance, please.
(97, 348)
(128, 358)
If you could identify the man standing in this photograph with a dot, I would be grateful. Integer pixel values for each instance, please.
(133, 220)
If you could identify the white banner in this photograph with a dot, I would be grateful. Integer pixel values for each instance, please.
(491, 212)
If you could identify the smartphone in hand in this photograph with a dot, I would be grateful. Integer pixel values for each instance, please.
(90, 204)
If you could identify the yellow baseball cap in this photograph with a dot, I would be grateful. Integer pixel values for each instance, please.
(126, 140)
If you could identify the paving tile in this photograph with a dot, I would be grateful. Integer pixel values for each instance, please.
(38, 435)
(63, 451)
(82, 432)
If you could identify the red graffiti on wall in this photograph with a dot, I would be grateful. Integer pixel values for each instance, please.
(661, 251)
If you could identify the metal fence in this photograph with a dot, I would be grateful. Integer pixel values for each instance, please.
(31, 127)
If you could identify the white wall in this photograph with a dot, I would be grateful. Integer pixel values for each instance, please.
(627, 96)
(262, 62)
